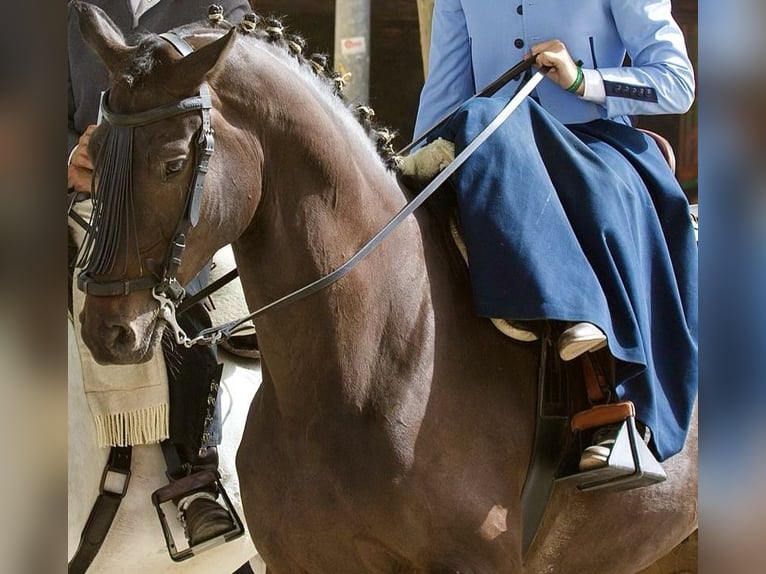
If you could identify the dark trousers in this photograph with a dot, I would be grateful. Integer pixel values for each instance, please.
(190, 373)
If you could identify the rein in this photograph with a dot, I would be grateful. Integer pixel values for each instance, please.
(214, 334)
(168, 291)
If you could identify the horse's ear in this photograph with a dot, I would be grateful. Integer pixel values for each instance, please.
(103, 36)
(188, 73)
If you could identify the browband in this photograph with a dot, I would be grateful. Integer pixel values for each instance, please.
(201, 101)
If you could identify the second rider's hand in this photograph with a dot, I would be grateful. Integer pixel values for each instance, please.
(80, 170)
(554, 55)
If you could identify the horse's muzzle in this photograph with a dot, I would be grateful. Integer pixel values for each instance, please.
(115, 337)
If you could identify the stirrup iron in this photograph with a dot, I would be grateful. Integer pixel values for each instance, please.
(630, 463)
(179, 488)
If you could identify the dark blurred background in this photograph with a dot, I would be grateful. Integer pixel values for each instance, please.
(396, 69)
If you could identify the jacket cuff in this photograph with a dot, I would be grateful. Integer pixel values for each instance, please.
(595, 91)
(71, 155)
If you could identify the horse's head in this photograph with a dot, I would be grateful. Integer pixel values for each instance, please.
(149, 152)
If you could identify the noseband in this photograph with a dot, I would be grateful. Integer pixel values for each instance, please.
(166, 289)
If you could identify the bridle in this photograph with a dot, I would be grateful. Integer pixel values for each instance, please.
(168, 291)
(165, 288)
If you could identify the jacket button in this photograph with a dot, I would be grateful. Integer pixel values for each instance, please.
(519, 43)
(519, 9)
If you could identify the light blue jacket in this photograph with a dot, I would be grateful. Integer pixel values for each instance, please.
(475, 41)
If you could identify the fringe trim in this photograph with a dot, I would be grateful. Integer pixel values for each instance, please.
(145, 426)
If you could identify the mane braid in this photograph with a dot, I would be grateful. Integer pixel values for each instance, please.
(290, 48)
(327, 84)
(278, 45)
(113, 211)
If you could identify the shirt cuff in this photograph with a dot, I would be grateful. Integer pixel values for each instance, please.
(71, 155)
(594, 87)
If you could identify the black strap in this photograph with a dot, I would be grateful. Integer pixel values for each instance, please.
(174, 468)
(182, 46)
(133, 119)
(213, 287)
(490, 90)
(103, 512)
(190, 215)
(77, 197)
(551, 426)
(244, 569)
(101, 288)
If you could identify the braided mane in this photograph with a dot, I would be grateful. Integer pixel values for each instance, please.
(270, 33)
(114, 213)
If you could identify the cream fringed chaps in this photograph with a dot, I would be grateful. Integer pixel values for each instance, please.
(129, 403)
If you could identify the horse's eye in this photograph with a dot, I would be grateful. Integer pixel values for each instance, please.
(174, 166)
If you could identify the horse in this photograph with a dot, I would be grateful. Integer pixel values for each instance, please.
(393, 428)
(135, 542)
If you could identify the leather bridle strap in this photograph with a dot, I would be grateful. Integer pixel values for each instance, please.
(167, 285)
(192, 300)
(91, 286)
(192, 104)
(104, 510)
(214, 334)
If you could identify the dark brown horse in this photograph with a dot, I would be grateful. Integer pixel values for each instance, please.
(393, 428)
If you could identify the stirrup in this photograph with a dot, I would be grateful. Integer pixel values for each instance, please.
(179, 488)
(630, 463)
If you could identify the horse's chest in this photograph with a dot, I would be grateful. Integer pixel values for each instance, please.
(309, 495)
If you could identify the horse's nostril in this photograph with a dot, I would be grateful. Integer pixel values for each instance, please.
(117, 335)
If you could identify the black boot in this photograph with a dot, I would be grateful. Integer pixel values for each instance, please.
(200, 512)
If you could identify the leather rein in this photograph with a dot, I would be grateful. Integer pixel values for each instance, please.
(168, 291)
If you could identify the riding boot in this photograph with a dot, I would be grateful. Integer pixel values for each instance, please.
(194, 375)
(200, 512)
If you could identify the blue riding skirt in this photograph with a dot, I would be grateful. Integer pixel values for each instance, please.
(586, 223)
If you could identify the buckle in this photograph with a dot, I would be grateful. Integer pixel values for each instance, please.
(107, 485)
(168, 313)
(163, 497)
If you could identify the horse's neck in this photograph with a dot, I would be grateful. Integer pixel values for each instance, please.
(324, 196)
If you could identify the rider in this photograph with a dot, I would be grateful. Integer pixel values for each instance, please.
(190, 371)
(590, 225)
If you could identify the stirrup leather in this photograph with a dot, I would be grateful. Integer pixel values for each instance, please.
(184, 486)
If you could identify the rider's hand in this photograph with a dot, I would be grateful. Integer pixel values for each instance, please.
(80, 170)
(79, 179)
(554, 54)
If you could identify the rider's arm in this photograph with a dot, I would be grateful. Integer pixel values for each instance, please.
(660, 79)
(72, 134)
(450, 79)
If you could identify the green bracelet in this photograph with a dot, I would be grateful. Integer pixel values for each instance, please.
(578, 81)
